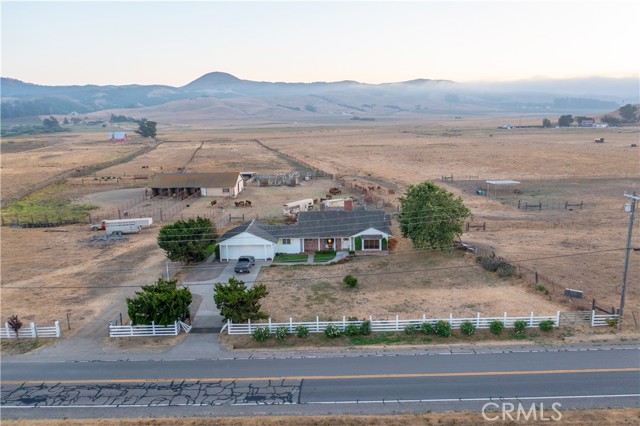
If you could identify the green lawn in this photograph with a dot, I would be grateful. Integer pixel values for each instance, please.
(323, 257)
(293, 258)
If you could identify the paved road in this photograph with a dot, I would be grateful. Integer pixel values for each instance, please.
(354, 384)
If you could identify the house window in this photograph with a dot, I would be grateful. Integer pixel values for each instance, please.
(371, 244)
(225, 189)
(286, 241)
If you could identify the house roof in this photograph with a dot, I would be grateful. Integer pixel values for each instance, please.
(319, 224)
(253, 227)
(195, 180)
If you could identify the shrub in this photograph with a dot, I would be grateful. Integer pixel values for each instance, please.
(427, 328)
(546, 325)
(443, 328)
(302, 331)
(350, 281)
(261, 334)
(365, 328)
(410, 329)
(467, 328)
(282, 333)
(496, 327)
(542, 289)
(497, 265)
(352, 330)
(506, 271)
(612, 322)
(519, 327)
(331, 331)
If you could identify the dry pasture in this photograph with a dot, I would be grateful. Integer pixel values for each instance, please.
(577, 249)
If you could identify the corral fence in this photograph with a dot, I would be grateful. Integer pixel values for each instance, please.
(600, 320)
(149, 330)
(396, 324)
(31, 332)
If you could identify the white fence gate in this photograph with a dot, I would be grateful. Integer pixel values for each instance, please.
(31, 332)
(148, 330)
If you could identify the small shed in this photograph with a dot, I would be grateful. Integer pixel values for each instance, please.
(118, 136)
(500, 184)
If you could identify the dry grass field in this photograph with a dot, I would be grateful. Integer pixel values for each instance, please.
(579, 248)
(617, 417)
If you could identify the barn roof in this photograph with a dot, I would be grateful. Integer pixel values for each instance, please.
(195, 180)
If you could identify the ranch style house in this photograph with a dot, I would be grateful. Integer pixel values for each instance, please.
(221, 184)
(362, 231)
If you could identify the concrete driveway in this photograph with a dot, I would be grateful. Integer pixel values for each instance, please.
(206, 318)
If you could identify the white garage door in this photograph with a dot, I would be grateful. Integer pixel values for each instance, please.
(234, 252)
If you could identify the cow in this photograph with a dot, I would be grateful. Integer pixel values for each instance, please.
(391, 192)
(214, 202)
(247, 203)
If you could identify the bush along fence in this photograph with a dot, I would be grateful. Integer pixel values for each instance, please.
(398, 324)
(148, 330)
(31, 332)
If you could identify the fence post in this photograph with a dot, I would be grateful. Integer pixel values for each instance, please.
(593, 318)
(451, 319)
(344, 322)
(153, 328)
(249, 325)
(504, 321)
(531, 320)
(478, 320)
(397, 323)
(558, 319)
(317, 324)
(34, 332)
(57, 324)
(269, 324)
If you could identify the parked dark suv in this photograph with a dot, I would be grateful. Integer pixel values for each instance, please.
(244, 264)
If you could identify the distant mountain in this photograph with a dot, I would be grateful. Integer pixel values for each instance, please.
(232, 95)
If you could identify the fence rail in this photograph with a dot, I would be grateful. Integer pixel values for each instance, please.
(396, 324)
(148, 330)
(600, 320)
(31, 332)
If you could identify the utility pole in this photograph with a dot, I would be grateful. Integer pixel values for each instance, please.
(632, 209)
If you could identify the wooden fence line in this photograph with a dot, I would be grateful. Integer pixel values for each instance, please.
(31, 332)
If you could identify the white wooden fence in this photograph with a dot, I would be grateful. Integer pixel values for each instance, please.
(396, 324)
(31, 332)
(598, 320)
(148, 330)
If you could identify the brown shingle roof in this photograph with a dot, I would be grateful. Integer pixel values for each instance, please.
(195, 180)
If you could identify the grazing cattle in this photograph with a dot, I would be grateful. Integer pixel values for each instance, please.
(378, 187)
(240, 203)
(371, 188)
(335, 191)
(247, 203)
(329, 196)
(391, 191)
(237, 203)
(214, 202)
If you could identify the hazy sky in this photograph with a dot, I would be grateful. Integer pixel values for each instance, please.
(173, 43)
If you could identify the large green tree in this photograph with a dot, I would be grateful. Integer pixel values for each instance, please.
(147, 128)
(565, 120)
(431, 216)
(187, 241)
(162, 302)
(238, 303)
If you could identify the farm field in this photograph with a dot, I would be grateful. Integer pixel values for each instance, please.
(581, 248)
